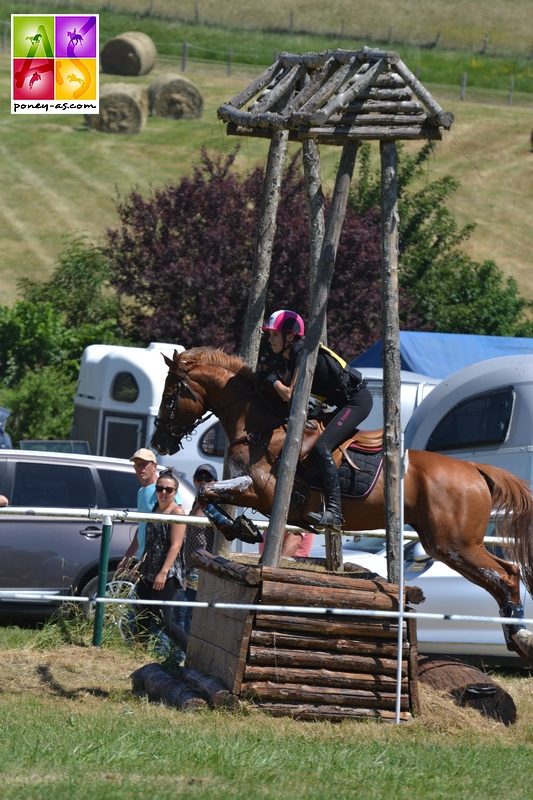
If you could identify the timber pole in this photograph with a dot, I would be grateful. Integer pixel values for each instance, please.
(391, 356)
(319, 300)
(255, 311)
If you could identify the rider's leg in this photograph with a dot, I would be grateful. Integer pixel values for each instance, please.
(241, 528)
(332, 516)
(341, 427)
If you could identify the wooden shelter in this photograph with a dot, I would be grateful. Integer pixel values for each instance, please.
(319, 665)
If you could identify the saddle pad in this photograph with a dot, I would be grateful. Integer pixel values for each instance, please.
(360, 482)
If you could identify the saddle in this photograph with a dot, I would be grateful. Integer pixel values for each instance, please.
(363, 441)
(358, 460)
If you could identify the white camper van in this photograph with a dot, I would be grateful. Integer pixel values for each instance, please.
(119, 392)
(482, 413)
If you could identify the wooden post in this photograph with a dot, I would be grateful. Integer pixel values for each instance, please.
(306, 369)
(315, 206)
(391, 355)
(184, 51)
(464, 79)
(255, 310)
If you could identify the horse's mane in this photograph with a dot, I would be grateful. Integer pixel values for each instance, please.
(216, 358)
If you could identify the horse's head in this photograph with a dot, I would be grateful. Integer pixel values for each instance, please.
(182, 407)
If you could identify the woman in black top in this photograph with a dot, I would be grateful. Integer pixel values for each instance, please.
(163, 567)
(334, 384)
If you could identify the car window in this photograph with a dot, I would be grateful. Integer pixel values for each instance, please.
(120, 488)
(53, 485)
(476, 421)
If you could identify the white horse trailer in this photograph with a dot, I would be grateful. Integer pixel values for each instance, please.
(118, 396)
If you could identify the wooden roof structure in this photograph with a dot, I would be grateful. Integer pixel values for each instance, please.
(337, 96)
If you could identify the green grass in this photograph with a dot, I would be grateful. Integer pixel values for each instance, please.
(72, 728)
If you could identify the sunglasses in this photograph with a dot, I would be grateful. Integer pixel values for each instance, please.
(165, 489)
(203, 476)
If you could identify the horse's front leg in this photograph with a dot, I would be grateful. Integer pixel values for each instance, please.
(229, 491)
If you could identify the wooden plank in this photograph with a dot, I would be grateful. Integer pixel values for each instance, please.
(219, 637)
(300, 693)
(225, 568)
(327, 580)
(288, 594)
(323, 677)
(268, 657)
(356, 627)
(347, 646)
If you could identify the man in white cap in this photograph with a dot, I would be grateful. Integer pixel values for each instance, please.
(145, 466)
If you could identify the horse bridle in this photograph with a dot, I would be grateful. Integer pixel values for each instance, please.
(180, 432)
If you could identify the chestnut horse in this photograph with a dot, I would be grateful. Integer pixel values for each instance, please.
(448, 502)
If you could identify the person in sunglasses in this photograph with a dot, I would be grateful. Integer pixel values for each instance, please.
(197, 537)
(162, 569)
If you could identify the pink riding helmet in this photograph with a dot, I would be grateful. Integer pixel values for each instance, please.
(285, 321)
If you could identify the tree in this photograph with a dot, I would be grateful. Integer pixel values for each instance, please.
(438, 282)
(181, 260)
(42, 338)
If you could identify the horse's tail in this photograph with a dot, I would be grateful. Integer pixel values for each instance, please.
(512, 497)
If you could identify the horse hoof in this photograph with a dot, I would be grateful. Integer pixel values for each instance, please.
(523, 641)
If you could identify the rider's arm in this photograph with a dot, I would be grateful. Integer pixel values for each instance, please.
(285, 392)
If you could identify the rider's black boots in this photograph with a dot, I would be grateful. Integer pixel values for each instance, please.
(332, 516)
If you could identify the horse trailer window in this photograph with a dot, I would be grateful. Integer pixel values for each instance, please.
(480, 420)
(125, 388)
(213, 442)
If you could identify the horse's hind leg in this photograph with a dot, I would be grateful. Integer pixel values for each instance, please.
(499, 577)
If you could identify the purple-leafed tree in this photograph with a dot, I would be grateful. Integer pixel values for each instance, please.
(181, 260)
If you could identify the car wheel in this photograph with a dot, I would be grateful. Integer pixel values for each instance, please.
(120, 614)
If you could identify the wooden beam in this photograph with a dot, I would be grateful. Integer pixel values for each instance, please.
(391, 355)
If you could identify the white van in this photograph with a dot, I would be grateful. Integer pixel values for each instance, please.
(482, 413)
(119, 392)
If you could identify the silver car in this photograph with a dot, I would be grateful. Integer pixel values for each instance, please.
(60, 555)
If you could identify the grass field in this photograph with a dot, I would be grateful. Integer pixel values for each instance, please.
(72, 728)
(60, 178)
(462, 24)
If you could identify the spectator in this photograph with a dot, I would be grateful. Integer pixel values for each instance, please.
(296, 544)
(198, 537)
(163, 566)
(3, 501)
(145, 466)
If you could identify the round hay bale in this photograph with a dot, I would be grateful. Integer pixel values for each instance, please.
(175, 97)
(131, 53)
(123, 109)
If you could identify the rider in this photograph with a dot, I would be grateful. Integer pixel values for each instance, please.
(334, 383)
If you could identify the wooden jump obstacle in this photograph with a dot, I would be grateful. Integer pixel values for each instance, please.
(303, 665)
